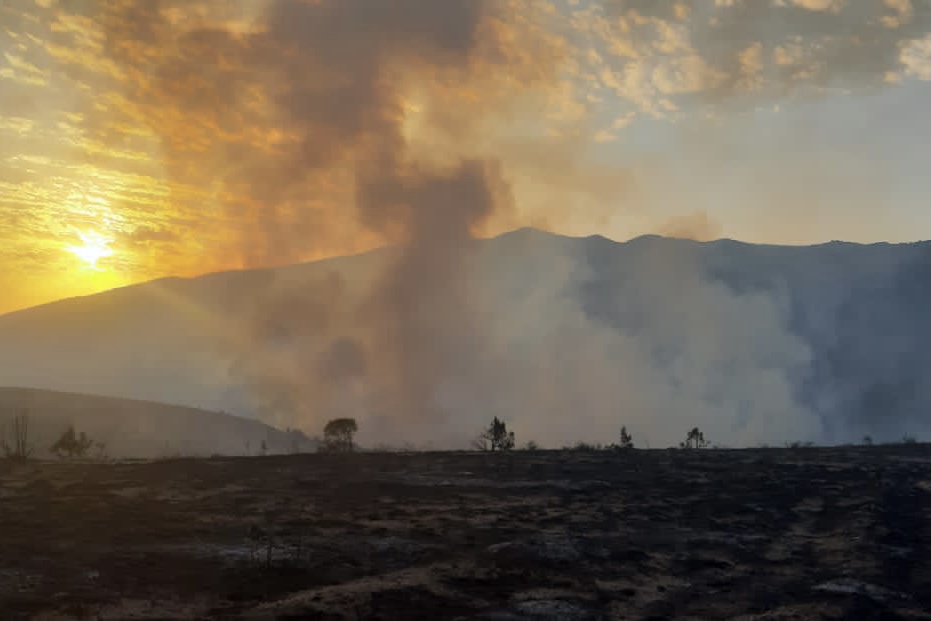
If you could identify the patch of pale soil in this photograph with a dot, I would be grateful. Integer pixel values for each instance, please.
(356, 593)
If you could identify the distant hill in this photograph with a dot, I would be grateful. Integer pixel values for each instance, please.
(130, 428)
(570, 338)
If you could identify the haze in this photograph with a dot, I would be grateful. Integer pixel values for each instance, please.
(143, 139)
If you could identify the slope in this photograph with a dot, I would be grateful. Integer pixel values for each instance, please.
(143, 429)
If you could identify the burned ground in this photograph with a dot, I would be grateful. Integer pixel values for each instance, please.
(812, 533)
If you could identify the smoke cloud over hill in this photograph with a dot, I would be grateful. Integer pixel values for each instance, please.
(573, 338)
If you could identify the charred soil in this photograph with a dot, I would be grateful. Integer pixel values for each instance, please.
(758, 534)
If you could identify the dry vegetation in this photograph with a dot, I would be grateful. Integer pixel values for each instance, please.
(765, 534)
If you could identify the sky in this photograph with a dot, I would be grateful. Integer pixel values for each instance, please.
(148, 138)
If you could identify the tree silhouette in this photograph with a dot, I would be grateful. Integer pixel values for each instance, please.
(695, 439)
(627, 440)
(71, 445)
(338, 434)
(21, 449)
(496, 437)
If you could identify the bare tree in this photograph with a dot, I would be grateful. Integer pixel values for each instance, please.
(20, 449)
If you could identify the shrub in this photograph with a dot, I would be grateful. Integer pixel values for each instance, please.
(586, 446)
(71, 445)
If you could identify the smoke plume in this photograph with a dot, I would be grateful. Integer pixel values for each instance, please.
(328, 86)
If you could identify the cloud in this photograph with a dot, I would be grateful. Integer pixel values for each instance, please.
(835, 6)
(145, 234)
(915, 56)
(219, 114)
(706, 53)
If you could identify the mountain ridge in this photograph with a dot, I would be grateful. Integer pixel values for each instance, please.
(757, 343)
(514, 232)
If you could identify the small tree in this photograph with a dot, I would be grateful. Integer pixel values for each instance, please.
(71, 445)
(695, 439)
(627, 440)
(20, 449)
(338, 434)
(867, 441)
(496, 437)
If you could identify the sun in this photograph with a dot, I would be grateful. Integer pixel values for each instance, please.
(94, 248)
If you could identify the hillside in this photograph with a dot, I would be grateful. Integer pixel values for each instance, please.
(753, 343)
(143, 429)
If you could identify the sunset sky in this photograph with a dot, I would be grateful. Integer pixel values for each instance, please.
(141, 139)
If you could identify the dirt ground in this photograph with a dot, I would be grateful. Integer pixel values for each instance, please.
(762, 534)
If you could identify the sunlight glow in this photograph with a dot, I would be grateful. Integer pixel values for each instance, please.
(95, 247)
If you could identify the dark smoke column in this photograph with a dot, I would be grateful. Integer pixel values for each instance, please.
(424, 328)
(416, 323)
(329, 80)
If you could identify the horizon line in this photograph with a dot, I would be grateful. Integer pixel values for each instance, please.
(515, 231)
